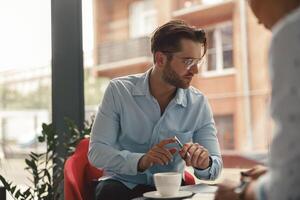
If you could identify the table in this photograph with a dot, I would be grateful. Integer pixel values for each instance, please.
(201, 192)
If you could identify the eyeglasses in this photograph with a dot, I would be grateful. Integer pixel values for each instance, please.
(188, 62)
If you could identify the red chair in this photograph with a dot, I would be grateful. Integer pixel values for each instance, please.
(188, 179)
(79, 174)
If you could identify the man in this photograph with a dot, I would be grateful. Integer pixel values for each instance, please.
(282, 181)
(133, 133)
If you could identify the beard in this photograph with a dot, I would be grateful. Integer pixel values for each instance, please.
(172, 78)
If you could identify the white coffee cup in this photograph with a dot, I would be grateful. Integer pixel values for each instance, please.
(167, 183)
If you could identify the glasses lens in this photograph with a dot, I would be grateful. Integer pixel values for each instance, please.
(194, 62)
(190, 62)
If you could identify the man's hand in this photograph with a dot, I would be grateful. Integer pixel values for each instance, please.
(255, 172)
(157, 155)
(195, 155)
(226, 191)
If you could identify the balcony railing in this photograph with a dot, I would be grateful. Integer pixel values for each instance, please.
(110, 52)
(187, 4)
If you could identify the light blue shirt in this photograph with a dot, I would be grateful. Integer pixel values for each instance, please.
(129, 123)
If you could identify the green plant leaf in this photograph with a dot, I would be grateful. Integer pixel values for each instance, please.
(31, 164)
(46, 169)
(27, 193)
(12, 189)
(18, 194)
(5, 183)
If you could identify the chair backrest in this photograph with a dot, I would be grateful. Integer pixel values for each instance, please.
(79, 174)
(188, 178)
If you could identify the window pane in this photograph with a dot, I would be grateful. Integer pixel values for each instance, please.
(211, 61)
(226, 36)
(211, 41)
(94, 86)
(142, 20)
(25, 83)
(224, 126)
(227, 59)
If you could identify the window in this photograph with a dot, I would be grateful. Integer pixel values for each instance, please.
(142, 18)
(25, 83)
(219, 59)
(224, 124)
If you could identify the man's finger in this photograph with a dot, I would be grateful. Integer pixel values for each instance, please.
(196, 157)
(187, 159)
(155, 160)
(166, 141)
(172, 150)
(163, 151)
(203, 158)
(185, 148)
(163, 154)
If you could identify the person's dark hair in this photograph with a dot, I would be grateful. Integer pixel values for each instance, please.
(167, 37)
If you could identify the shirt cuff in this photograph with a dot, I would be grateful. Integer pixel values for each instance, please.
(204, 173)
(133, 159)
(212, 172)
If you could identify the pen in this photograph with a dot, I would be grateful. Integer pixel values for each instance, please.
(181, 146)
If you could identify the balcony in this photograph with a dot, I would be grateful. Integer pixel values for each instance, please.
(203, 14)
(111, 52)
(123, 57)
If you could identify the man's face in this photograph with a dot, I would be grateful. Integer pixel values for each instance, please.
(176, 71)
(262, 9)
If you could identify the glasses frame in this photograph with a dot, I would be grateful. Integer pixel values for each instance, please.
(188, 62)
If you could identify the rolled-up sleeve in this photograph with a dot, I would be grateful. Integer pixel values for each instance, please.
(103, 150)
(207, 137)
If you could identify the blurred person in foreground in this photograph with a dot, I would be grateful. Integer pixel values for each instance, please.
(133, 133)
(282, 180)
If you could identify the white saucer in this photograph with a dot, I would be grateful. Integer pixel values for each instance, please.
(156, 195)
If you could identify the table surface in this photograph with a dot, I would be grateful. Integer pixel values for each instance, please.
(201, 192)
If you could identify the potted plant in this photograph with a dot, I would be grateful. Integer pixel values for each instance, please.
(46, 169)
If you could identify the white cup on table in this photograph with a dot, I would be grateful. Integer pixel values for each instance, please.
(167, 183)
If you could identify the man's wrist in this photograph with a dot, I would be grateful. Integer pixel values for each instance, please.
(209, 164)
(143, 164)
(140, 165)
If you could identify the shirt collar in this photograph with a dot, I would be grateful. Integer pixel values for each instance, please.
(141, 88)
(180, 97)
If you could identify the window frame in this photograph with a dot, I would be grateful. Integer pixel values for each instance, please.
(137, 17)
(220, 70)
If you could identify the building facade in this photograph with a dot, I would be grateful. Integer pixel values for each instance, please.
(235, 74)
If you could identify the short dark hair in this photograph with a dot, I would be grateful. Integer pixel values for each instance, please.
(167, 37)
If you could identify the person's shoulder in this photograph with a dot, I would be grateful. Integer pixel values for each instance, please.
(285, 40)
(288, 28)
(126, 81)
(293, 19)
(194, 93)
